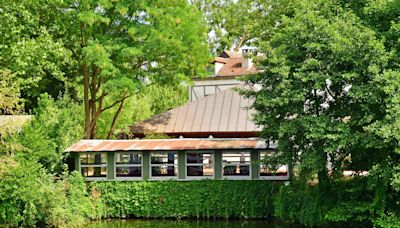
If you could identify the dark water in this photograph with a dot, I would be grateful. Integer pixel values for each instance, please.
(189, 224)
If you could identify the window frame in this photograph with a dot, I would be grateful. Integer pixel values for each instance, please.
(270, 177)
(212, 153)
(237, 177)
(128, 165)
(93, 165)
(160, 165)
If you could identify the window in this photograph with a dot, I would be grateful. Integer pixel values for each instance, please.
(199, 165)
(236, 164)
(93, 165)
(128, 165)
(279, 172)
(164, 164)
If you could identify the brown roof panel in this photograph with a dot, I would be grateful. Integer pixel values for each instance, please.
(198, 116)
(207, 113)
(242, 119)
(216, 114)
(190, 115)
(234, 113)
(224, 112)
(168, 145)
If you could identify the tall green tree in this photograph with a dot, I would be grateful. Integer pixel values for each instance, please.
(124, 45)
(319, 91)
(112, 48)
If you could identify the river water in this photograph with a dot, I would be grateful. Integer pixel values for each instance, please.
(118, 223)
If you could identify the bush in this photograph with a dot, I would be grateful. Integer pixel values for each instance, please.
(56, 125)
(29, 196)
(188, 199)
(351, 202)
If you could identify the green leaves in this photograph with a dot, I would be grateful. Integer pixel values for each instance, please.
(319, 94)
(192, 199)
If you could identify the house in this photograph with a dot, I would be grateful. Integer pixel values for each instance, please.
(212, 136)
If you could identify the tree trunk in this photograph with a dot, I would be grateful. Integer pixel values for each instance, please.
(110, 132)
(93, 94)
(323, 178)
(85, 86)
(86, 101)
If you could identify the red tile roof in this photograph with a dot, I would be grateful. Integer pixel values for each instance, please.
(230, 54)
(233, 67)
(168, 145)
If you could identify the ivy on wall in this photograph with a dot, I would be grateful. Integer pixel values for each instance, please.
(194, 199)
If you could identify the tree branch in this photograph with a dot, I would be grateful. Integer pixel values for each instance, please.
(97, 114)
(110, 132)
(116, 102)
(330, 93)
(123, 98)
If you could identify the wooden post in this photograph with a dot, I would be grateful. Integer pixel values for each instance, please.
(110, 165)
(255, 164)
(146, 165)
(181, 165)
(76, 162)
(218, 164)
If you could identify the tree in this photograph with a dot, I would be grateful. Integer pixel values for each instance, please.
(29, 49)
(235, 23)
(10, 101)
(122, 46)
(113, 48)
(318, 91)
(152, 101)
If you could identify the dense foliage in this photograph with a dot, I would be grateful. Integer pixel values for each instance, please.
(30, 196)
(100, 52)
(188, 199)
(329, 95)
(36, 188)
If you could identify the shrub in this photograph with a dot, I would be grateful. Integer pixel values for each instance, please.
(29, 196)
(188, 199)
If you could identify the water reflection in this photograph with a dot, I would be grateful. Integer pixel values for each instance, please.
(190, 224)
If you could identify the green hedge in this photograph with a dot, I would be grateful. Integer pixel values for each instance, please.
(188, 199)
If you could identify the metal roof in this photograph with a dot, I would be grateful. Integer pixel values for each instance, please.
(224, 112)
(168, 144)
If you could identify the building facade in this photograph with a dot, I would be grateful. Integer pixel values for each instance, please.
(211, 137)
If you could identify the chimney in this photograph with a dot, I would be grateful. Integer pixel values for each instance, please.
(247, 62)
(217, 67)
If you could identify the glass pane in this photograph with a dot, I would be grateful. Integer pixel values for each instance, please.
(129, 171)
(200, 158)
(94, 171)
(93, 159)
(164, 171)
(236, 157)
(280, 171)
(236, 170)
(128, 158)
(164, 158)
(201, 171)
(264, 154)
(267, 171)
